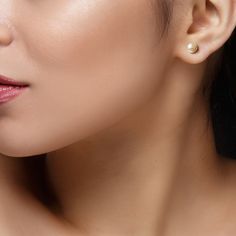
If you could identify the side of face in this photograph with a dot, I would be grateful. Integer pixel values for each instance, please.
(89, 63)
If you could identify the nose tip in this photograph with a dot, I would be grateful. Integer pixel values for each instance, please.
(5, 35)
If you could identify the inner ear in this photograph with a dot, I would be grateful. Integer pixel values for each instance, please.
(204, 16)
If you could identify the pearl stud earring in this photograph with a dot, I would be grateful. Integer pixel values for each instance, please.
(192, 47)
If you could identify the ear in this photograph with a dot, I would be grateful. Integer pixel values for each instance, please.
(211, 25)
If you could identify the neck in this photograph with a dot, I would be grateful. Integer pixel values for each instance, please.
(126, 180)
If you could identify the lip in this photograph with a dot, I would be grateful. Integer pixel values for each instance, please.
(8, 81)
(8, 92)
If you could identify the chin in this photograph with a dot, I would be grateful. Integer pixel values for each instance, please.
(19, 151)
(21, 146)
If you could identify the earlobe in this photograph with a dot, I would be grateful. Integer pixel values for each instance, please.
(211, 25)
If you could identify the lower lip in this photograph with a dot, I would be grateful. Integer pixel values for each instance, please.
(8, 92)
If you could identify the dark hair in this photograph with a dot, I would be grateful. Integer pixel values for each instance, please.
(219, 86)
(223, 99)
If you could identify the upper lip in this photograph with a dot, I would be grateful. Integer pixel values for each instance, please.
(9, 81)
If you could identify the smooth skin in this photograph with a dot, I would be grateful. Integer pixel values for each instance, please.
(121, 116)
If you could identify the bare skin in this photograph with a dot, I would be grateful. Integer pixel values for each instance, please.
(127, 196)
(139, 183)
(120, 115)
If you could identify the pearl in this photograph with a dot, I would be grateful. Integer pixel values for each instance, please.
(192, 47)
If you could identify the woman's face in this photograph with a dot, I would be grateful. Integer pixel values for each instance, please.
(88, 62)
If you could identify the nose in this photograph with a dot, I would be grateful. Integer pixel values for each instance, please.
(6, 36)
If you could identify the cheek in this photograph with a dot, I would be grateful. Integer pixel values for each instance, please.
(85, 36)
(95, 64)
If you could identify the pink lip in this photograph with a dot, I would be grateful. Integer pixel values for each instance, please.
(10, 89)
(8, 92)
(8, 81)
